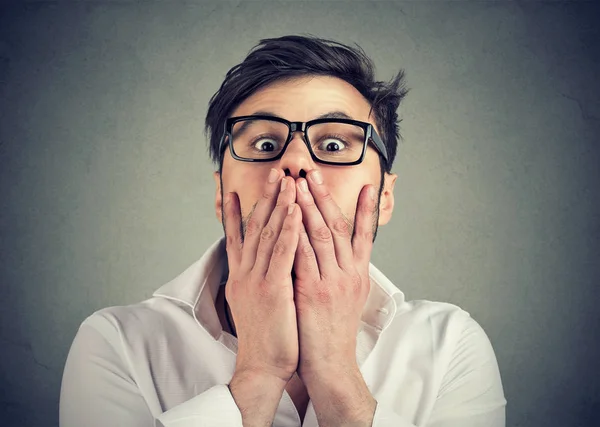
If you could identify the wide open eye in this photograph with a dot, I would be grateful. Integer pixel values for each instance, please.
(266, 145)
(332, 145)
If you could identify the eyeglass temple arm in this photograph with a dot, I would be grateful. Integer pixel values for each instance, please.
(379, 143)
(222, 142)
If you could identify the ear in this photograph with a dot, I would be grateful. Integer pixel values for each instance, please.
(386, 202)
(218, 198)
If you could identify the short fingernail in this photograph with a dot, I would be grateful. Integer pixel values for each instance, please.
(303, 186)
(291, 208)
(283, 184)
(273, 175)
(316, 177)
(372, 192)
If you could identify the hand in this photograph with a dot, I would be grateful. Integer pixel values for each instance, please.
(332, 277)
(259, 288)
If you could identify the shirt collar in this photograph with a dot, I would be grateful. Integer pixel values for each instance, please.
(198, 285)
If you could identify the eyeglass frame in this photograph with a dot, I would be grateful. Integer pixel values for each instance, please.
(369, 130)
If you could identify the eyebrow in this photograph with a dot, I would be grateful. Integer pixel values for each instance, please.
(329, 115)
(334, 115)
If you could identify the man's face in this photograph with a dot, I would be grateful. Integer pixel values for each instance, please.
(304, 99)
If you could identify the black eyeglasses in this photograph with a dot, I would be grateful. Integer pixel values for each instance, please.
(330, 141)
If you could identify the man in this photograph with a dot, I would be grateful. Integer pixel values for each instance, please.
(285, 321)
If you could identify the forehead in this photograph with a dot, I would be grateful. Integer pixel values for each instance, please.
(305, 98)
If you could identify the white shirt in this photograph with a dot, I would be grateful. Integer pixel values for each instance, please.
(167, 361)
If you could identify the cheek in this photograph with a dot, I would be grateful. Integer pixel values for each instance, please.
(247, 182)
(345, 192)
(346, 185)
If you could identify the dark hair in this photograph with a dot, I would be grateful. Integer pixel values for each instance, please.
(296, 56)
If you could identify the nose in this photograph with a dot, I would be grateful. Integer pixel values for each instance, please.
(296, 161)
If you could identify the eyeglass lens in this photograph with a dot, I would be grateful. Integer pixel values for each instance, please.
(330, 141)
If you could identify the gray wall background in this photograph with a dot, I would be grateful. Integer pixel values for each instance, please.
(106, 186)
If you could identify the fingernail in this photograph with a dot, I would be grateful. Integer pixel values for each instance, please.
(273, 175)
(283, 183)
(372, 192)
(291, 208)
(303, 186)
(316, 177)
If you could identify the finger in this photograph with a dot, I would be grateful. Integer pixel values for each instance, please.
(233, 236)
(270, 233)
(282, 261)
(340, 226)
(319, 234)
(259, 218)
(305, 261)
(365, 221)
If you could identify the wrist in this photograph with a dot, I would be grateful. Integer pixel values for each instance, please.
(260, 377)
(333, 381)
(322, 372)
(342, 399)
(257, 396)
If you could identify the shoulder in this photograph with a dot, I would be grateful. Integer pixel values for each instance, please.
(432, 315)
(137, 324)
(442, 328)
(464, 356)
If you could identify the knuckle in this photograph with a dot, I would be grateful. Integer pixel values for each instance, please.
(284, 199)
(356, 284)
(342, 226)
(267, 289)
(233, 242)
(252, 227)
(267, 233)
(281, 203)
(322, 234)
(307, 250)
(326, 196)
(325, 277)
(232, 289)
(280, 248)
(310, 204)
(263, 289)
(366, 209)
(366, 234)
(233, 284)
(323, 295)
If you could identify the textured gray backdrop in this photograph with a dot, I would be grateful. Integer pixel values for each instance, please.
(106, 186)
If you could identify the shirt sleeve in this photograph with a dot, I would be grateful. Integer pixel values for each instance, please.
(98, 390)
(214, 407)
(471, 393)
